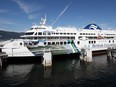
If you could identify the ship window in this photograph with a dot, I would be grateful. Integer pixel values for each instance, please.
(25, 44)
(49, 43)
(94, 41)
(36, 28)
(67, 33)
(49, 33)
(36, 33)
(64, 33)
(61, 43)
(53, 43)
(109, 41)
(113, 41)
(64, 42)
(72, 37)
(78, 42)
(35, 43)
(30, 43)
(29, 33)
(57, 42)
(44, 33)
(20, 43)
(74, 33)
(39, 33)
(35, 37)
(44, 43)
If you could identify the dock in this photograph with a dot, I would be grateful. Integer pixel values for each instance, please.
(48, 53)
(85, 53)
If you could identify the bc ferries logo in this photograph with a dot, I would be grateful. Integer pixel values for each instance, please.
(93, 27)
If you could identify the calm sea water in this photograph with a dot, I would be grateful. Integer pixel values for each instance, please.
(68, 72)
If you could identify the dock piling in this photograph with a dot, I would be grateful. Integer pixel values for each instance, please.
(47, 58)
(111, 53)
(86, 55)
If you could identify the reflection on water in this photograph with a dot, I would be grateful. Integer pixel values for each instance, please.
(14, 75)
(69, 72)
(47, 72)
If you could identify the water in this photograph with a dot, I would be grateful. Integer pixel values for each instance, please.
(70, 72)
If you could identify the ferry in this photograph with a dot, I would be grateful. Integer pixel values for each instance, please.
(60, 40)
(91, 36)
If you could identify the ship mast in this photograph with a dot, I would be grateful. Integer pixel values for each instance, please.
(43, 21)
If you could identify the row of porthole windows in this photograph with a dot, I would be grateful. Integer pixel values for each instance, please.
(65, 33)
(92, 42)
(57, 43)
(25, 44)
(110, 41)
(87, 33)
(49, 33)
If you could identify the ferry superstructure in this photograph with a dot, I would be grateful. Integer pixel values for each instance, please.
(90, 36)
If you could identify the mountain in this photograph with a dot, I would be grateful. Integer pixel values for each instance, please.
(6, 35)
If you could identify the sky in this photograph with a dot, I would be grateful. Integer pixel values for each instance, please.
(20, 15)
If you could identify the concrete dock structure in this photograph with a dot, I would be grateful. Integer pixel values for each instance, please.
(3, 58)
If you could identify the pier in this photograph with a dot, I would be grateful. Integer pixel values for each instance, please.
(47, 55)
(111, 53)
(87, 53)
